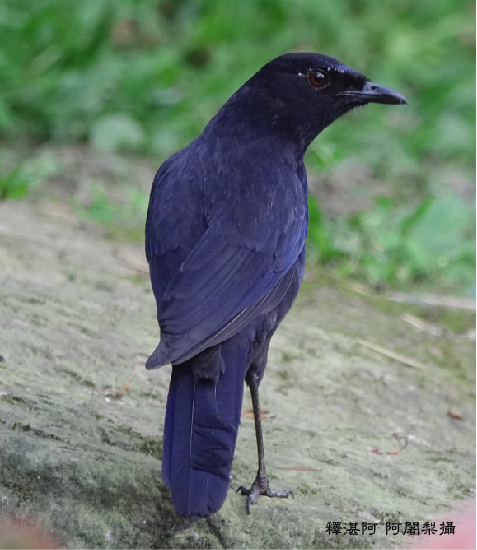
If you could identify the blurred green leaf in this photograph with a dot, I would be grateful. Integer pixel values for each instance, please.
(318, 234)
(437, 240)
(100, 208)
(14, 185)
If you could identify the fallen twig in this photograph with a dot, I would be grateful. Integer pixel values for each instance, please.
(448, 302)
(125, 388)
(392, 355)
(264, 413)
(298, 468)
(133, 262)
(454, 414)
(422, 325)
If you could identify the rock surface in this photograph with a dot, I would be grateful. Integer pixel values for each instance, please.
(77, 320)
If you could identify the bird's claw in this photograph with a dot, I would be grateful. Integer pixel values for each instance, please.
(261, 487)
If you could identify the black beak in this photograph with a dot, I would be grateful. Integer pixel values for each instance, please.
(374, 93)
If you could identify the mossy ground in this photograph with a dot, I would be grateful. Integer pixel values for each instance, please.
(77, 319)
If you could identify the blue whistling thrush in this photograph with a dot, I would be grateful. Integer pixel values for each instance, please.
(225, 242)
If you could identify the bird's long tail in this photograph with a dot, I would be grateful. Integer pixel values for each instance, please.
(202, 420)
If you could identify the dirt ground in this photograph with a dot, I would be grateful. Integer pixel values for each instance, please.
(370, 404)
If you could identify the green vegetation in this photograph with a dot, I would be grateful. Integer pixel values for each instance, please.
(432, 244)
(124, 221)
(13, 185)
(145, 76)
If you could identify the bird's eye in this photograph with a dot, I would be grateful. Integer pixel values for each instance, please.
(318, 79)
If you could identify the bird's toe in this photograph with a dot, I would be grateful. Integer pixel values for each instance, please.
(261, 487)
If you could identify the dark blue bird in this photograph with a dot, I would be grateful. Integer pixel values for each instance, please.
(225, 242)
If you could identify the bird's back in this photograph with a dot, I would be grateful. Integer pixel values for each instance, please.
(227, 220)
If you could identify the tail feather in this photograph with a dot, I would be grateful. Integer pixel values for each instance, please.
(200, 432)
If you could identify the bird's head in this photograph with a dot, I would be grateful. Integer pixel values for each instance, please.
(300, 94)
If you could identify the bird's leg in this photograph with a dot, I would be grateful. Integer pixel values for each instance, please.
(261, 485)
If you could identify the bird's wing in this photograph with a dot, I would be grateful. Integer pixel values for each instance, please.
(220, 286)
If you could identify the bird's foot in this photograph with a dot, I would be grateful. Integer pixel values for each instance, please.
(261, 486)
